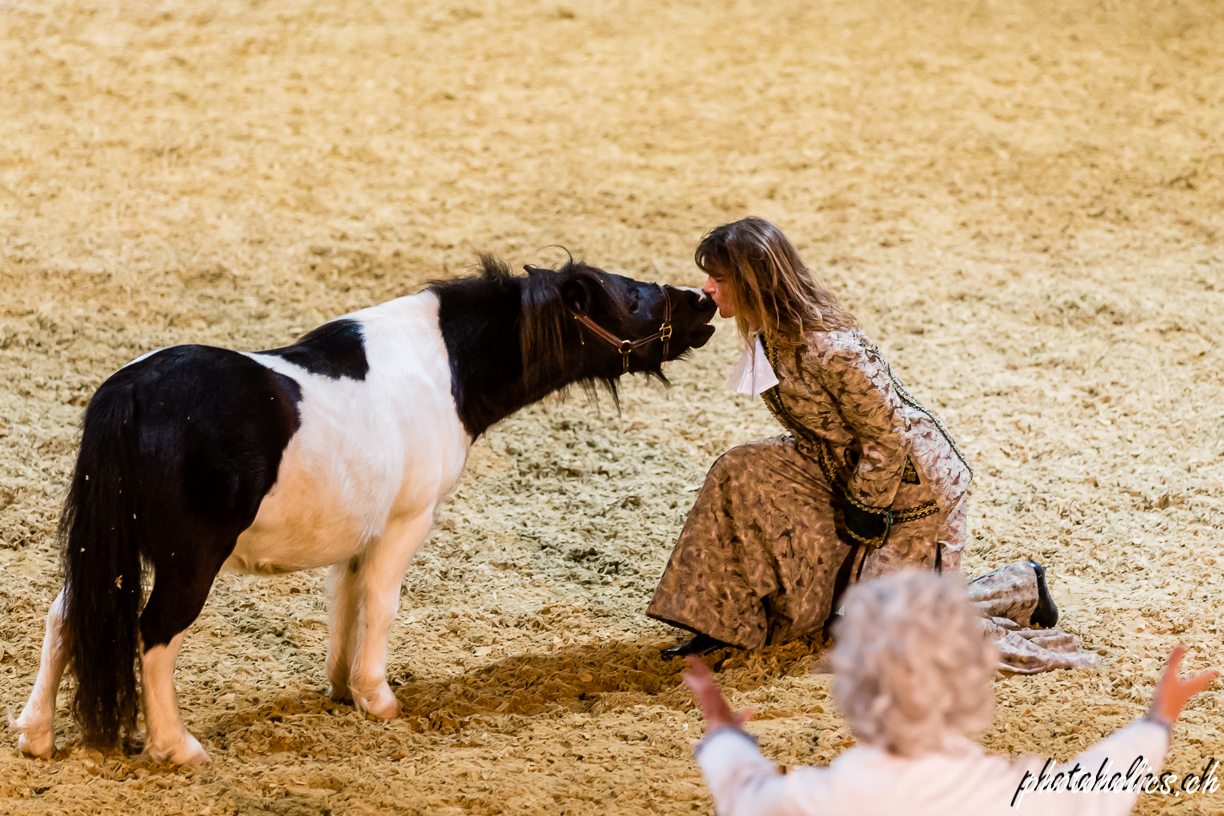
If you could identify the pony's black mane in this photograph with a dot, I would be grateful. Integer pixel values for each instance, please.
(528, 312)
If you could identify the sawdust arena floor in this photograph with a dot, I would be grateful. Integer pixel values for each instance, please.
(1021, 201)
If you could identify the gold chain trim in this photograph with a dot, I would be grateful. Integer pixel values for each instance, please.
(878, 541)
(917, 512)
(868, 508)
(773, 401)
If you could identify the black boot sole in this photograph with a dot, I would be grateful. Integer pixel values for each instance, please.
(699, 645)
(1046, 613)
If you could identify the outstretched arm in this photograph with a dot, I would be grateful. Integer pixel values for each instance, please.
(1119, 767)
(742, 782)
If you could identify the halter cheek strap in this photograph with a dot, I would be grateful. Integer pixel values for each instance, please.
(627, 347)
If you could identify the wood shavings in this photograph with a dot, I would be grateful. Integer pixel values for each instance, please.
(1021, 204)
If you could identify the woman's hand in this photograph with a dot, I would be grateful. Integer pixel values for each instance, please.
(709, 699)
(1172, 693)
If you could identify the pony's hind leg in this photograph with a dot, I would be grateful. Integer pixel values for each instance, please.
(342, 596)
(37, 720)
(168, 740)
(380, 575)
(180, 588)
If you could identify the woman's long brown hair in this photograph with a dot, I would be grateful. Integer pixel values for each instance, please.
(770, 286)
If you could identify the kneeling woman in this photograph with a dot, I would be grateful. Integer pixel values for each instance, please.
(867, 481)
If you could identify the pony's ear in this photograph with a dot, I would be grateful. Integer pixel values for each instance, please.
(531, 270)
(576, 295)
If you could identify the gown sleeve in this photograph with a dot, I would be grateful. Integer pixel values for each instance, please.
(859, 381)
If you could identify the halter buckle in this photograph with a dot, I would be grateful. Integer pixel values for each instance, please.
(627, 347)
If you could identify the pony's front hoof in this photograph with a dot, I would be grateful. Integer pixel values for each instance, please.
(187, 752)
(381, 704)
(37, 745)
(35, 735)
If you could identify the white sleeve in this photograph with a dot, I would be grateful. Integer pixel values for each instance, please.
(744, 783)
(1105, 780)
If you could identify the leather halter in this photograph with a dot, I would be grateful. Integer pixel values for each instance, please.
(627, 347)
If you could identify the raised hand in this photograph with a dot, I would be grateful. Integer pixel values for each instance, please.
(709, 699)
(1172, 693)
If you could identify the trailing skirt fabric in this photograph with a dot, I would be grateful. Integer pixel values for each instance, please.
(764, 552)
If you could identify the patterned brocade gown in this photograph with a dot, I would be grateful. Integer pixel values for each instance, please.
(766, 552)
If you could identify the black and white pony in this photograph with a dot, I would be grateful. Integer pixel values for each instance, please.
(335, 451)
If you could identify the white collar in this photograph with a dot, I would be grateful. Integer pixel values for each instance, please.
(752, 373)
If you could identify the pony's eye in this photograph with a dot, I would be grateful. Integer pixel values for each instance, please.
(635, 300)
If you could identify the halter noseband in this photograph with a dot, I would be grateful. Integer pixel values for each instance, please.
(627, 347)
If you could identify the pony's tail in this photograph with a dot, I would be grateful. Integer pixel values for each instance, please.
(101, 533)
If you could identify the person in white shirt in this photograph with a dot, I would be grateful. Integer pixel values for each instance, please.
(912, 675)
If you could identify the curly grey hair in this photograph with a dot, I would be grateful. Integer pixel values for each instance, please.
(912, 663)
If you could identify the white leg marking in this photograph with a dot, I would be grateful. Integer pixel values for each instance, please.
(37, 720)
(168, 740)
(380, 576)
(342, 595)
